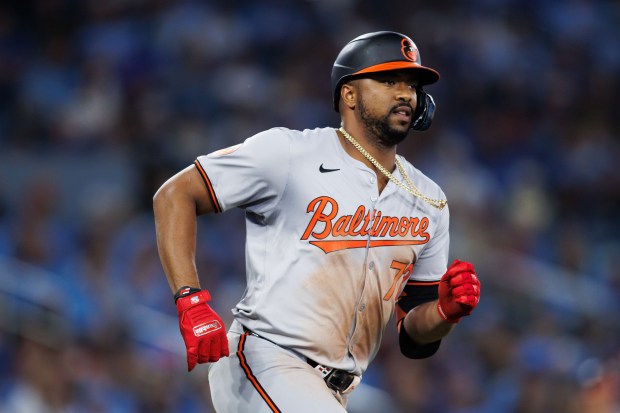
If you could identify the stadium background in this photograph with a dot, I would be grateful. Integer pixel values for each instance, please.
(101, 101)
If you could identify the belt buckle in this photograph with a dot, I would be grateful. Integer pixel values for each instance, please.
(338, 380)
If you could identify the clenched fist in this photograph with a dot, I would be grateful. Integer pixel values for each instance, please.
(202, 329)
(459, 291)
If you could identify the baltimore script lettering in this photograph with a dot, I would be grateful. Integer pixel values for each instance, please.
(361, 223)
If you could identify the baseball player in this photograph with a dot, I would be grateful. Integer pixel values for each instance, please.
(342, 234)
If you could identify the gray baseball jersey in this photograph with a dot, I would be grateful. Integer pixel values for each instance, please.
(327, 255)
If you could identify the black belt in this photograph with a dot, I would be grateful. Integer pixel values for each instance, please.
(338, 380)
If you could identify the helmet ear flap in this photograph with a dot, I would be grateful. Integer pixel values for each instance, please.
(424, 111)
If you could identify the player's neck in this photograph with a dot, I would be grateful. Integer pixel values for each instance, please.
(384, 155)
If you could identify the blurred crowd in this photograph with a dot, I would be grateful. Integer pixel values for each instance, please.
(102, 101)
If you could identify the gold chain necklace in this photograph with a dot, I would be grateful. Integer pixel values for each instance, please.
(408, 186)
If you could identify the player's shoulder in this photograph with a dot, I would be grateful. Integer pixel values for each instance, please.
(305, 134)
(295, 135)
(269, 134)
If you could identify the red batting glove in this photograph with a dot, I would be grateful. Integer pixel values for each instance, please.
(202, 329)
(459, 291)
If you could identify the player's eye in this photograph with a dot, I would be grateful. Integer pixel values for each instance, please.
(391, 82)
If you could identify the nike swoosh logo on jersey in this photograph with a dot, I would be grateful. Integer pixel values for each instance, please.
(323, 170)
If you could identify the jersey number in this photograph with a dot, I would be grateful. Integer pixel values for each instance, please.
(401, 276)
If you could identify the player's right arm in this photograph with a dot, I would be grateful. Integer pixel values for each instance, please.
(176, 206)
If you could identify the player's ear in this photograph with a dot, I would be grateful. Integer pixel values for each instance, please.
(348, 94)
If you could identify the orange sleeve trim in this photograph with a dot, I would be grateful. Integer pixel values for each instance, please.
(248, 373)
(205, 178)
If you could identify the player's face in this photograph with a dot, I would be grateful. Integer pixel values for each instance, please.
(386, 103)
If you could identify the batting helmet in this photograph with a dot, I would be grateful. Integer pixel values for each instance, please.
(380, 52)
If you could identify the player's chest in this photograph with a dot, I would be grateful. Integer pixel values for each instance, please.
(343, 209)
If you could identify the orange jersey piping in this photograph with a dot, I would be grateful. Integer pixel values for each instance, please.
(210, 190)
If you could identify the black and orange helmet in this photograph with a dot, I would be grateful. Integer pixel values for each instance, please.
(378, 52)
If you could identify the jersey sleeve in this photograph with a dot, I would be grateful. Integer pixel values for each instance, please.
(251, 175)
(433, 260)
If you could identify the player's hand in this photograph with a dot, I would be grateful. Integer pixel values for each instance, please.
(459, 291)
(202, 329)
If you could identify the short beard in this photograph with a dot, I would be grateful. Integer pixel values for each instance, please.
(380, 127)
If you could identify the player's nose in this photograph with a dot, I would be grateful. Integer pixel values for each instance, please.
(405, 92)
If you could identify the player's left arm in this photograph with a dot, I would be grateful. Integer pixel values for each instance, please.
(435, 299)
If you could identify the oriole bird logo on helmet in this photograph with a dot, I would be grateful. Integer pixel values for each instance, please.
(409, 50)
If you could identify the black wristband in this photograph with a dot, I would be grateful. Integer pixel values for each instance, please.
(413, 350)
(185, 290)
